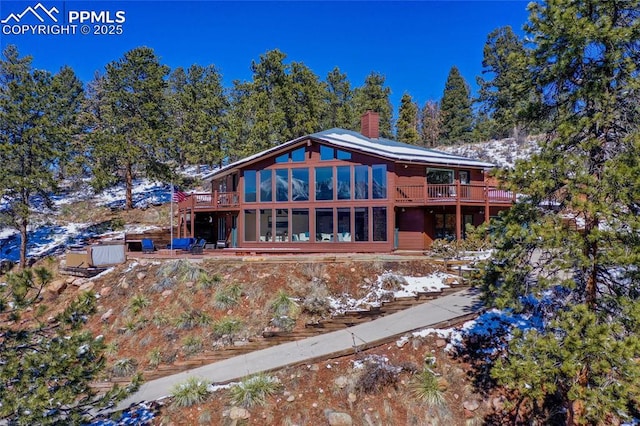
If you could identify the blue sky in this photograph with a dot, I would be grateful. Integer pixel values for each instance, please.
(414, 44)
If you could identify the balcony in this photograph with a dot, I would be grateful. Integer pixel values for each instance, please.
(440, 194)
(211, 201)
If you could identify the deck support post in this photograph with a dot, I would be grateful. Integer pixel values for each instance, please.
(458, 212)
(486, 204)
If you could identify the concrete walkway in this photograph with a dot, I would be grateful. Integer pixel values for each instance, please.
(317, 347)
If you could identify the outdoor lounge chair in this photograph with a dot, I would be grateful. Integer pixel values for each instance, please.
(148, 246)
(198, 247)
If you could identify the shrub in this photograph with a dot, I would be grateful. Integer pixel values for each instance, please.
(426, 388)
(391, 281)
(317, 301)
(283, 305)
(228, 297)
(124, 367)
(159, 319)
(154, 357)
(444, 248)
(377, 375)
(193, 318)
(163, 284)
(206, 281)
(227, 326)
(254, 391)
(192, 345)
(137, 303)
(190, 392)
(284, 323)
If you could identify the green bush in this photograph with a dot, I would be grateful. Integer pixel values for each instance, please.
(426, 388)
(154, 357)
(254, 391)
(138, 302)
(444, 248)
(193, 318)
(124, 367)
(206, 281)
(190, 392)
(283, 305)
(227, 326)
(228, 297)
(192, 345)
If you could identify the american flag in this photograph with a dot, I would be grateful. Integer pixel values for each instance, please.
(178, 195)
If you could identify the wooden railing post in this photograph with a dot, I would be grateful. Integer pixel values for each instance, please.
(486, 203)
(458, 212)
(214, 200)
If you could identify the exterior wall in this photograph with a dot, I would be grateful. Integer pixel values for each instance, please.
(411, 228)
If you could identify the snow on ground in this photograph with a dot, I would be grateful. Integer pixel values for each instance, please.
(400, 286)
(503, 152)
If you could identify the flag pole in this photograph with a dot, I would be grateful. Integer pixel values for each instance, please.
(171, 242)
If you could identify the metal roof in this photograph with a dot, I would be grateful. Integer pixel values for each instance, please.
(354, 141)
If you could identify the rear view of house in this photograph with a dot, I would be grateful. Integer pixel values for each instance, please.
(342, 191)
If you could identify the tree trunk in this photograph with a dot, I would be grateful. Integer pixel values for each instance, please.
(128, 182)
(23, 242)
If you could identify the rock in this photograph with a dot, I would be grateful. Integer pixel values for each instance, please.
(451, 281)
(314, 367)
(105, 317)
(341, 382)
(443, 384)
(167, 293)
(353, 269)
(497, 403)
(472, 405)
(441, 343)
(79, 281)
(105, 291)
(291, 398)
(88, 286)
(57, 286)
(239, 413)
(352, 397)
(188, 284)
(338, 419)
(124, 284)
(70, 280)
(141, 275)
(367, 280)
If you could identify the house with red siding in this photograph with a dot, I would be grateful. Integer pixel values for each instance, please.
(342, 191)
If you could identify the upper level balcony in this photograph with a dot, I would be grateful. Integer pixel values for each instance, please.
(405, 195)
(440, 194)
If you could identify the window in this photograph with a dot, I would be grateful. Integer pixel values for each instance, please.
(344, 225)
(249, 225)
(284, 158)
(324, 225)
(297, 155)
(379, 224)
(300, 184)
(282, 185)
(379, 174)
(361, 229)
(266, 233)
(282, 225)
(324, 183)
(445, 226)
(439, 176)
(344, 182)
(326, 153)
(265, 185)
(343, 155)
(361, 184)
(300, 225)
(249, 186)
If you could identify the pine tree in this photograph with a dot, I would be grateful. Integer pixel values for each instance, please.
(339, 111)
(305, 107)
(198, 108)
(455, 109)
(407, 125)
(47, 365)
(575, 238)
(430, 123)
(37, 116)
(129, 137)
(374, 96)
(505, 95)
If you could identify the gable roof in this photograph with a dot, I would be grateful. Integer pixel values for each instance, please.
(354, 141)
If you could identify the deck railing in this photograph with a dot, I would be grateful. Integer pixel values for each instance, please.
(451, 193)
(210, 200)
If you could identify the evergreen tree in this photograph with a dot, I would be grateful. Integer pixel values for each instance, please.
(37, 116)
(430, 123)
(374, 96)
(455, 109)
(198, 107)
(407, 125)
(129, 137)
(505, 94)
(339, 100)
(584, 252)
(47, 366)
(305, 107)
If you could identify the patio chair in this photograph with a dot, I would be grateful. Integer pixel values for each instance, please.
(198, 246)
(148, 246)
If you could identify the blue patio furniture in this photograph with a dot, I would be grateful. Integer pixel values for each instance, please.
(182, 244)
(148, 246)
(198, 247)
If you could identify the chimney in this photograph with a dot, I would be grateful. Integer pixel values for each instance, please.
(370, 124)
